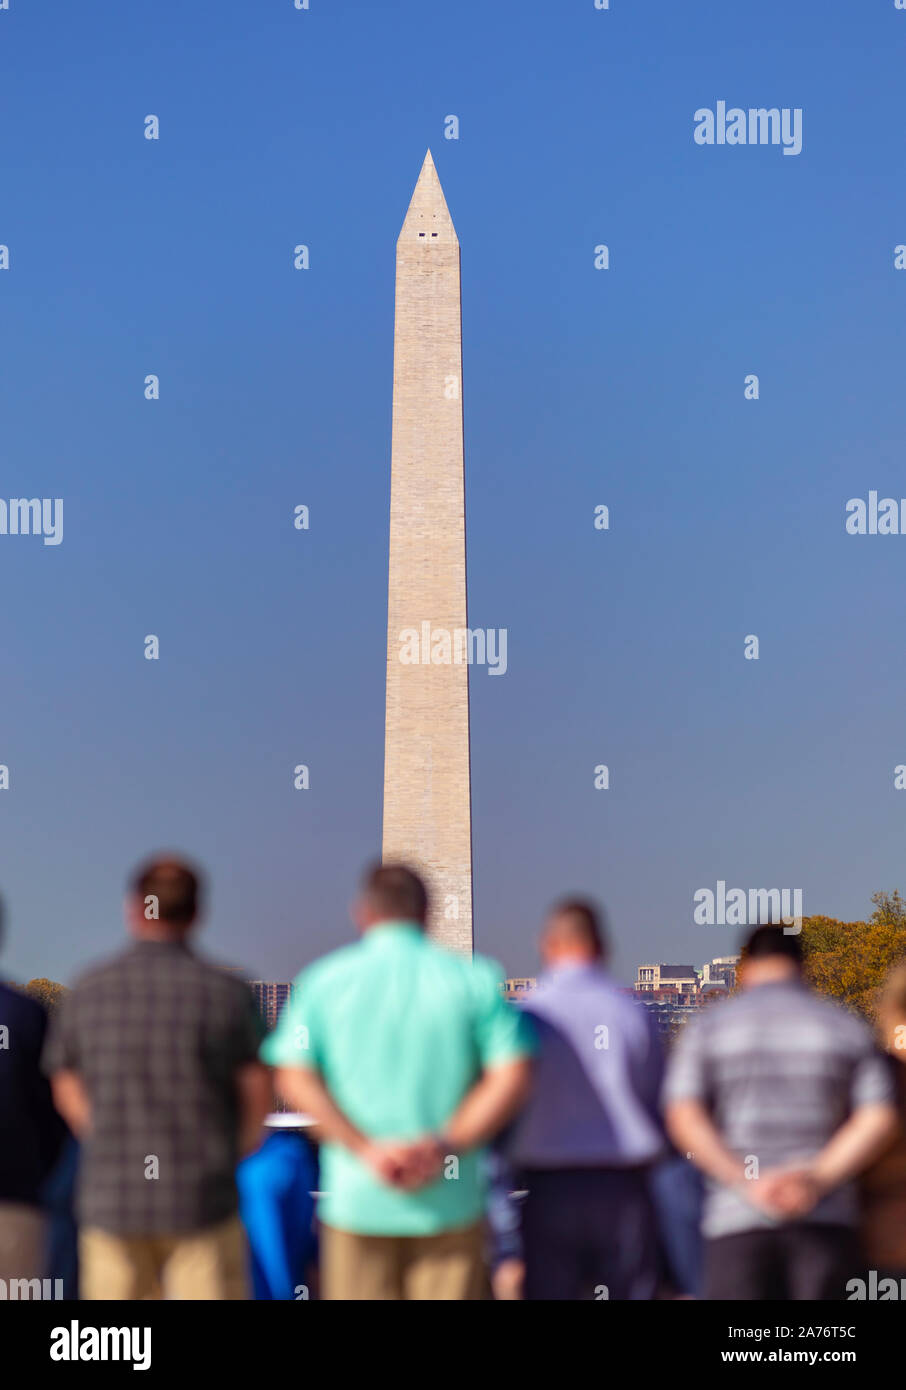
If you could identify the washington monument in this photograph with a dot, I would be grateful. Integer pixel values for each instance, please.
(427, 799)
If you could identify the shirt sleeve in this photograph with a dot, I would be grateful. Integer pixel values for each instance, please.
(503, 1032)
(872, 1079)
(61, 1050)
(297, 1040)
(687, 1068)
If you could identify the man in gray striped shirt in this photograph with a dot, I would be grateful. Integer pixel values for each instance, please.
(781, 1098)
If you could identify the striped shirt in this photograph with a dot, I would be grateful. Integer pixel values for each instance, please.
(780, 1069)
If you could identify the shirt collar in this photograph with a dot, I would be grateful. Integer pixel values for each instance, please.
(146, 944)
(794, 983)
(575, 970)
(393, 931)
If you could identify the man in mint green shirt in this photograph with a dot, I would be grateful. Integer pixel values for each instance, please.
(410, 1060)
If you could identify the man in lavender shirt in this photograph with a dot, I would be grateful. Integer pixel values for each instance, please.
(591, 1130)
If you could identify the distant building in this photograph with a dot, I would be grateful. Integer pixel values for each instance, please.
(680, 981)
(675, 993)
(514, 990)
(720, 971)
(270, 998)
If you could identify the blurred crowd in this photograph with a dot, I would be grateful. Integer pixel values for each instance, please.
(435, 1140)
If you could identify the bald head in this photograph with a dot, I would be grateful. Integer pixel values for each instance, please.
(573, 933)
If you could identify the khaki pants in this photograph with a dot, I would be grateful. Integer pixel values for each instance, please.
(22, 1234)
(445, 1266)
(208, 1264)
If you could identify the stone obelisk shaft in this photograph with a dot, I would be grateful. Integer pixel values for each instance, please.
(427, 799)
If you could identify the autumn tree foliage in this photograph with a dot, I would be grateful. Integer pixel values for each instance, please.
(47, 992)
(851, 960)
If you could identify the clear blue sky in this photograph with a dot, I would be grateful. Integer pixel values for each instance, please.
(622, 387)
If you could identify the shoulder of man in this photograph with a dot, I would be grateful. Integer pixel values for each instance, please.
(479, 978)
(485, 973)
(715, 1018)
(96, 975)
(631, 1008)
(843, 1022)
(16, 1005)
(233, 984)
(331, 967)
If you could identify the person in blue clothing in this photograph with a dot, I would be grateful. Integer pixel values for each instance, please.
(677, 1191)
(58, 1198)
(276, 1205)
(31, 1135)
(591, 1129)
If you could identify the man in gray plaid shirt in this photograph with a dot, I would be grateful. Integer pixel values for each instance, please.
(153, 1060)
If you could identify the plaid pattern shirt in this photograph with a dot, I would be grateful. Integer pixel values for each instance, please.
(157, 1035)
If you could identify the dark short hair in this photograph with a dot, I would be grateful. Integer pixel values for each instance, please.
(772, 941)
(174, 884)
(396, 892)
(587, 921)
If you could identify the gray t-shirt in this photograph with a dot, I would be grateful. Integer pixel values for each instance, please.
(779, 1069)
